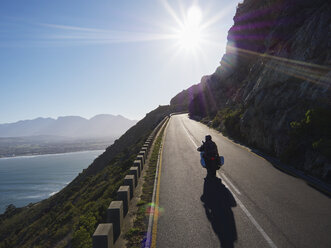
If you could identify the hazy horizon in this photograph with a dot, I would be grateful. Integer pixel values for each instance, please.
(57, 117)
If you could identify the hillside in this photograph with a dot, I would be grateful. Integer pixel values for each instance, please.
(272, 89)
(69, 126)
(69, 218)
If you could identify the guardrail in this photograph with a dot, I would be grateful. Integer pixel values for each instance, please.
(106, 234)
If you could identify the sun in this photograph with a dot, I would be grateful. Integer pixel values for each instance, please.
(190, 35)
(191, 30)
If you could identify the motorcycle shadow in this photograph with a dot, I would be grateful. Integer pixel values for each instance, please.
(218, 201)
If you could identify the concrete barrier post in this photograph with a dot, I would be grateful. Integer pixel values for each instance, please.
(137, 163)
(138, 167)
(103, 236)
(139, 170)
(144, 148)
(129, 181)
(141, 161)
(115, 216)
(141, 158)
(134, 171)
(143, 153)
(123, 194)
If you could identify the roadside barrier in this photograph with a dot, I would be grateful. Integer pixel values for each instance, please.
(115, 217)
(137, 163)
(106, 234)
(134, 171)
(130, 181)
(103, 236)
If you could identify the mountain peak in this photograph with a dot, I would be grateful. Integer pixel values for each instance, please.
(103, 125)
(71, 117)
(102, 116)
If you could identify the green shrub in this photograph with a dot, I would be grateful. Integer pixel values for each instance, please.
(216, 122)
(84, 231)
(88, 221)
(312, 132)
(230, 117)
(82, 239)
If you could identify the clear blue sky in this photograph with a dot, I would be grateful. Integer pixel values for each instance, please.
(85, 58)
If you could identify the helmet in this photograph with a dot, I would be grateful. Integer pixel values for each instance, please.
(208, 137)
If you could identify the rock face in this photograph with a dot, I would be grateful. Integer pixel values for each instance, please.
(272, 89)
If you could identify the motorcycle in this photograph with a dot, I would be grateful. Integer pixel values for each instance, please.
(203, 162)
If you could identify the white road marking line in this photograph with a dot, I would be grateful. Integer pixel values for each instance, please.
(189, 135)
(229, 182)
(151, 214)
(242, 206)
(251, 218)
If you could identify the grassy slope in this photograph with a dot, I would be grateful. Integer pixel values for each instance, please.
(69, 218)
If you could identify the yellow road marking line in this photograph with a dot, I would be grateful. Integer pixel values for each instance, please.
(156, 206)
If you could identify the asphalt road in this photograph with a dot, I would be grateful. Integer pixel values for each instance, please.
(251, 204)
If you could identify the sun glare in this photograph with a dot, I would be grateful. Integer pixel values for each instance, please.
(194, 16)
(190, 34)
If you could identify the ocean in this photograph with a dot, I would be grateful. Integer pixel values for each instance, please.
(29, 179)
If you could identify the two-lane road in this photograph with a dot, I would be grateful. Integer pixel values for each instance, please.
(252, 204)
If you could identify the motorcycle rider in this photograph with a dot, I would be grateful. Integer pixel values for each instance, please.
(210, 156)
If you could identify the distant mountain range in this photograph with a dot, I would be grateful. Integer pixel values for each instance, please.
(102, 126)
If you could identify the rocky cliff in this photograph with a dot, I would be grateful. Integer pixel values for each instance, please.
(272, 89)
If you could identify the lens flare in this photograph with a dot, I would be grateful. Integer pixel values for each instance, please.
(152, 208)
(314, 73)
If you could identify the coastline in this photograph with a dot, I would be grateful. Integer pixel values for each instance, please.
(28, 180)
(49, 154)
